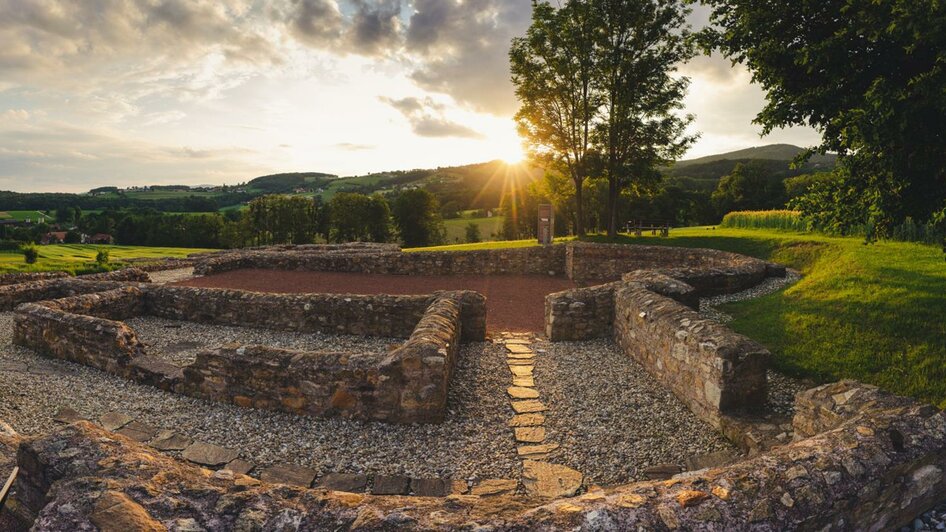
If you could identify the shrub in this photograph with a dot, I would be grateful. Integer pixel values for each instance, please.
(102, 257)
(30, 254)
(472, 233)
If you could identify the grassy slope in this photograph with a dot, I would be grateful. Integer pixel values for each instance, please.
(867, 312)
(81, 257)
(456, 228)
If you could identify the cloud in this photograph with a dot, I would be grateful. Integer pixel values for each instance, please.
(54, 156)
(375, 27)
(352, 146)
(464, 47)
(317, 23)
(427, 118)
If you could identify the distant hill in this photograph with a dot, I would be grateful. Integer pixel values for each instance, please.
(772, 152)
(286, 183)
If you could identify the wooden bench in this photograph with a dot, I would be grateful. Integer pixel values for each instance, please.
(637, 227)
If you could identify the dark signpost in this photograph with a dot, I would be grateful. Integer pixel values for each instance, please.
(546, 230)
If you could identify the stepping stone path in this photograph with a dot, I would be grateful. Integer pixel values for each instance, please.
(539, 477)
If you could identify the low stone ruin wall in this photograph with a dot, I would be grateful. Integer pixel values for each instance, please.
(25, 292)
(408, 385)
(710, 271)
(713, 370)
(877, 467)
(28, 277)
(548, 260)
(588, 313)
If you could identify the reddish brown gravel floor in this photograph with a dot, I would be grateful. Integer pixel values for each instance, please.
(514, 303)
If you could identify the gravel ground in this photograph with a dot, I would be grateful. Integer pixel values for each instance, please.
(611, 418)
(171, 276)
(769, 286)
(473, 442)
(179, 341)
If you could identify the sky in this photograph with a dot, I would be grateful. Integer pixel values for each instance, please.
(139, 92)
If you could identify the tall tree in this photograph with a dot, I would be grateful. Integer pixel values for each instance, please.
(637, 49)
(417, 216)
(552, 71)
(869, 76)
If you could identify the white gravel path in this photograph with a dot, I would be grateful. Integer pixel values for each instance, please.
(611, 418)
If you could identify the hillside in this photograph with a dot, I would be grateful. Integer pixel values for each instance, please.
(772, 152)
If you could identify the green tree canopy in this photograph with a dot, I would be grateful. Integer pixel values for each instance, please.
(869, 75)
(417, 217)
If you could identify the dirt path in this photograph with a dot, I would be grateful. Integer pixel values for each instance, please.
(515, 303)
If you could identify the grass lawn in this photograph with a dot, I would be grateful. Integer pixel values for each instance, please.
(80, 258)
(456, 228)
(34, 216)
(874, 313)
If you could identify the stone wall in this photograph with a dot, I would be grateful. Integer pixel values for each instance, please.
(408, 385)
(55, 288)
(78, 329)
(28, 277)
(548, 260)
(710, 368)
(588, 313)
(710, 271)
(877, 469)
(580, 314)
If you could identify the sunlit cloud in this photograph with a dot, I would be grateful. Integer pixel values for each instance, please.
(104, 92)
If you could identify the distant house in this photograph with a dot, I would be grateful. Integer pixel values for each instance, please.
(55, 237)
(101, 238)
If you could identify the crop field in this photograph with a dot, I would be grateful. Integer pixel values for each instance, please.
(80, 258)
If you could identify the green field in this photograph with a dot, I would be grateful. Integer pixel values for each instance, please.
(456, 228)
(867, 312)
(80, 258)
(34, 216)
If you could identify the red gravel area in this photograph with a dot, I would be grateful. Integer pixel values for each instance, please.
(514, 303)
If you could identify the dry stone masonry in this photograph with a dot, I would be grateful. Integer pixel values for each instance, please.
(853, 457)
(407, 385)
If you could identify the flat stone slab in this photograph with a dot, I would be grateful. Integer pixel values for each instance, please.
(662, 471)
(526, 420)
(390, 485)
(528, 407)
(717, 459)
(517, 341)
(519, 362)
(530, 434)
(208, 454)
(527, 382)
(168, 440)
(349, 482)
(115, 420)
(429, 487)
(67, 415)
(521, 392)
(521, 371)
(542, 479)
(533, 451)
(289, 474)
(518, 348)
(495, 486)
(240, 467)
(138, 431)
(520, 356)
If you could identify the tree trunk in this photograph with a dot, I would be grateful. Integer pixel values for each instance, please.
(579, 209)
(613, 192)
